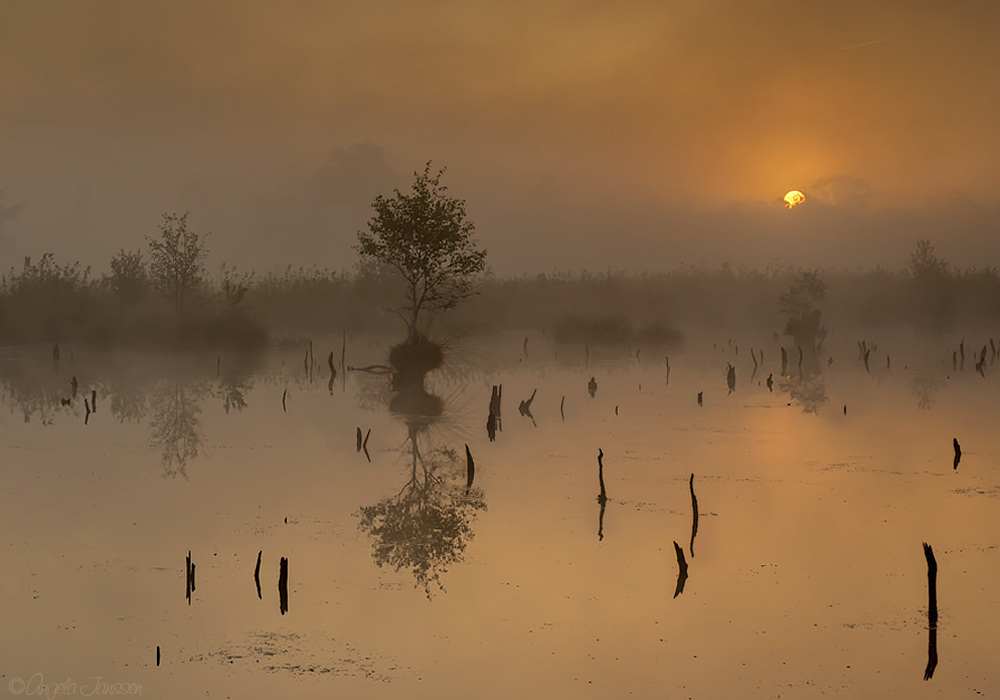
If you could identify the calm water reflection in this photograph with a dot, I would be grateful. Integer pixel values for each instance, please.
(320, 572)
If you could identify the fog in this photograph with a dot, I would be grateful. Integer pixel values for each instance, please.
(641, 138)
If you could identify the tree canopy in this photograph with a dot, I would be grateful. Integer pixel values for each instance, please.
(802, 304)
(424, 235)
(176, 259)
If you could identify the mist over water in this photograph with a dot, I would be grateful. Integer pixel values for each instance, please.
(469, 350)
(812, 500)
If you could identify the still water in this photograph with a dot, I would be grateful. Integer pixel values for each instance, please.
(805, 577)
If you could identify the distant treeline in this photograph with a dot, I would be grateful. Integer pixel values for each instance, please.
(133, 304)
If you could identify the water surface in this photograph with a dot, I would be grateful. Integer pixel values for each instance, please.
(806, 576)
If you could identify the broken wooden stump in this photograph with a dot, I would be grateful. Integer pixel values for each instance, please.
(694, 517)
(525, 407)
(283, 585)
(932, 612)
(592, 386)
(682, 570)
(256, 575)
(470, 468)
(188, 577)
(491, 427)
(600, 521)
(603, 496)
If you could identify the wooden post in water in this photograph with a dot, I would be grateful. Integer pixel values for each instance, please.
(932, 612)
(694, 517)
(188, 577)
(283, 585)
(470, 468)
(682, 570)
(603, 497)
(256, 575)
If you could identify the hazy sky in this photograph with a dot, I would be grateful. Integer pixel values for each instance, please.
(641, 133)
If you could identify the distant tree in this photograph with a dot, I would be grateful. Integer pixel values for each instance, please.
(129, 279)
(932, 298)
(802, 305)
(426, 238)
(235, 284)
(177, 259)
(925, 263)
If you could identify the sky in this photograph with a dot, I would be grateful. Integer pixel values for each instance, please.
(636, 135)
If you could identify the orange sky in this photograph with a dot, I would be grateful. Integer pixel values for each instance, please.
(650, 105)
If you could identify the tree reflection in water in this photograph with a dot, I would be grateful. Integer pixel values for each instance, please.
(925, 388)
(176, 429)
(427, 525)
(128, 402)
(806, 386)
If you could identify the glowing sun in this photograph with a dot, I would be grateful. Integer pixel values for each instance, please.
(793, 199)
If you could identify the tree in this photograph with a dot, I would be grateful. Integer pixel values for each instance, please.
(177, 259)
(803, 306)
(925, 264)
(426, 238)
(932, 300)
(129, 280)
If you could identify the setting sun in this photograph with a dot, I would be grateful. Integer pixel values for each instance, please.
(794, 198)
